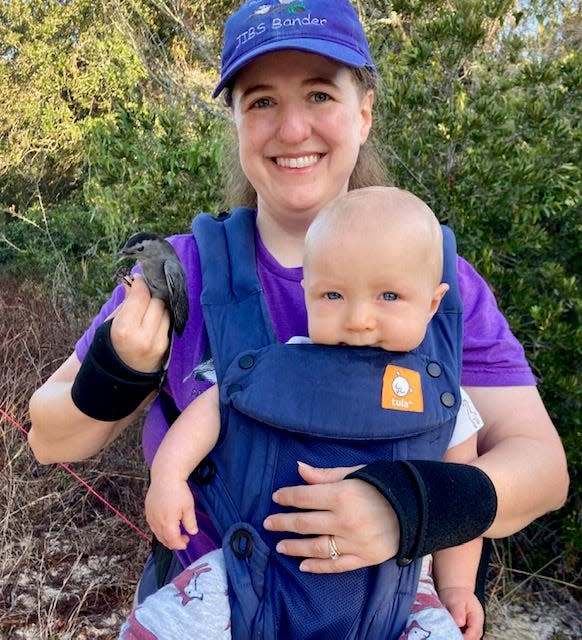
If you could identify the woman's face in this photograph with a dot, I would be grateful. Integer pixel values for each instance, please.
(300, 120)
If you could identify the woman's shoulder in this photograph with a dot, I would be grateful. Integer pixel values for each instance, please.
(185, 246)
(187, 251)
(473, 288)
(492, 355)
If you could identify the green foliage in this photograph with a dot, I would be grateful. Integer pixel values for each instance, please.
(146, 167)
(151, 167)
(89, 149)
(54, 245)
(61, 63)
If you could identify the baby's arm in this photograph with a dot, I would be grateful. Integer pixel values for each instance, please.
(169, 500)
(455, 569)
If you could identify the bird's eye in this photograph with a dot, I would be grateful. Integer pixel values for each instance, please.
(140, 248)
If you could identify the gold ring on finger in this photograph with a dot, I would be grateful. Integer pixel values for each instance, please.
(334, 554)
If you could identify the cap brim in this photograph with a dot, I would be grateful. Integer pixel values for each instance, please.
(333, 50)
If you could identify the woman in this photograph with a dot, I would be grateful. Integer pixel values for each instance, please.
(300, 83)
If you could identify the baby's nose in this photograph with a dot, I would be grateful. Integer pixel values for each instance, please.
(360, 318)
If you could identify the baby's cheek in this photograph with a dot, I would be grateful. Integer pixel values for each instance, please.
(323, 333)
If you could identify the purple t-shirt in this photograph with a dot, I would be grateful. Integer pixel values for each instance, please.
(492, 356)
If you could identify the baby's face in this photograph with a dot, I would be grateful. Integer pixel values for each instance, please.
(368, 293)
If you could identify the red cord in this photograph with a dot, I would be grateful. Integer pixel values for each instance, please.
(118, 513)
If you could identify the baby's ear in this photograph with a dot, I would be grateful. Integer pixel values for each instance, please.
(437, 297)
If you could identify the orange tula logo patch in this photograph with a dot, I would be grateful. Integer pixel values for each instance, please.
(402, 390)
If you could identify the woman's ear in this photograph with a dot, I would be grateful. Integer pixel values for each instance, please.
(366, 106)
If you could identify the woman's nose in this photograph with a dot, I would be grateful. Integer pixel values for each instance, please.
(294, 125)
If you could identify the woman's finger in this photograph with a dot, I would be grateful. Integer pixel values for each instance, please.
(345, 562)
(153, 315)
(140, 307)
(310, 496)
(317, 547)
(320, 492)
(137, 298)
(303, 522)
(320, 475)
(316, 552)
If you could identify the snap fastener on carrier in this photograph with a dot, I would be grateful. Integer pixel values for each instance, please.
(433, 369)
(233, 388)
(246, 362)
(241, 543)
(204, 472)
(448, 399)
(404, 562)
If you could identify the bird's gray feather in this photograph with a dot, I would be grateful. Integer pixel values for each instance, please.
(178, 298)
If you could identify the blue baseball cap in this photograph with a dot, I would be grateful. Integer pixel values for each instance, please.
(329, 28)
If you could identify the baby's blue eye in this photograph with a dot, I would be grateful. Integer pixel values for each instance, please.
(389, 295)
(332, 295)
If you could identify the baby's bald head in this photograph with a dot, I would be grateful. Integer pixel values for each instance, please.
(396, 215)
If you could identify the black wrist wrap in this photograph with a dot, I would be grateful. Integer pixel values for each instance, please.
(105, 387)
(438, 504)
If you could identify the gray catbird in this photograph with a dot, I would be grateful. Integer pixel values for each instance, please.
(163, 273)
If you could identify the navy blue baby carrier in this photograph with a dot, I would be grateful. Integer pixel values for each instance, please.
(324, 405)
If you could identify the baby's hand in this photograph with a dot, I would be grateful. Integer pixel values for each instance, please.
(466, 610)
(168, 503)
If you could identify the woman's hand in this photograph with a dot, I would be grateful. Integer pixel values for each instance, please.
(363, 523)
(139, 332)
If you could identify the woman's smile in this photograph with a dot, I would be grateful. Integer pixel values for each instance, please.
(300, 162)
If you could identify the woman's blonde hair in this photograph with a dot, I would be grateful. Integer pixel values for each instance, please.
(369, 170)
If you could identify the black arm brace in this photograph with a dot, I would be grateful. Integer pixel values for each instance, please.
(105, 387)
(438, 504)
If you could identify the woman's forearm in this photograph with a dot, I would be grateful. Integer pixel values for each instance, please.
(59, 431)
(118, 378)
(521, 452)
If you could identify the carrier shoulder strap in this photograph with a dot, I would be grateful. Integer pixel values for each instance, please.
(232, 300)
(446, 326)
(225, 279)
(450, 302)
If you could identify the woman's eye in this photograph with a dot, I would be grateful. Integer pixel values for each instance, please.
(320, 96)
(261, 103)
(389, 296)
(332, 295)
